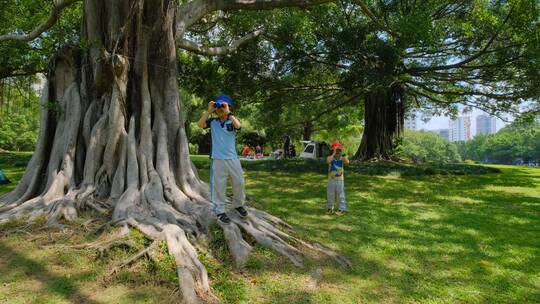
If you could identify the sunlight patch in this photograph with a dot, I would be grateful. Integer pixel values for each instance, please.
(393, 175)
(460, 200)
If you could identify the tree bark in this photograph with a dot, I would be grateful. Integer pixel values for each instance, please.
(113, 139)
(383, 123)
(307, 130)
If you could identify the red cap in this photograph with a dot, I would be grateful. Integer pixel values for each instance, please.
(337, 146)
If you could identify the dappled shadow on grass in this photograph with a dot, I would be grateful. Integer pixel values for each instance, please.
(466, 238)
(15, 264)
(66, 274)
(444, 238)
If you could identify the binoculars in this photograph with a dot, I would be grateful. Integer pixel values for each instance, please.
(219, 104)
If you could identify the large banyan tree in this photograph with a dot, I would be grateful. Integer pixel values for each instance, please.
(112, 136)
(434, 55)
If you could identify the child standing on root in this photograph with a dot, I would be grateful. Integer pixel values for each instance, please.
(224, 160)
(336, 182)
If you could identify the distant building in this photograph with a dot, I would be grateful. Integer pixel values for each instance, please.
(460, 129)
(444, 133)
(410, 123)
(486, 124)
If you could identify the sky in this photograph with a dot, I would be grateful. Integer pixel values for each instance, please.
(442, 122)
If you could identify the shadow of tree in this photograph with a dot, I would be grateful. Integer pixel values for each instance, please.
(65, 287)
(457, 238)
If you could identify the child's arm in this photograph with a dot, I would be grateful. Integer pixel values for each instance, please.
(331, 157)
(345, 160)
(204, 117)
(235, 121)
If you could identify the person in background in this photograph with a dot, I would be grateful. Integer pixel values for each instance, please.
(335, 191)
(246, 151)
(258, 152)
(224, 159)
(293, 151)
(286, 145)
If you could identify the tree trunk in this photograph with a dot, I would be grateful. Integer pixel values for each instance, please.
(113, 139)
(307, 130)
(383, 123)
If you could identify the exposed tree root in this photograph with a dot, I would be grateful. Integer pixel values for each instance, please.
(134, 258)
(259, 227)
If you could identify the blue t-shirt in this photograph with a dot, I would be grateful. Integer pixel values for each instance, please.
(223, 138)
(335, 170)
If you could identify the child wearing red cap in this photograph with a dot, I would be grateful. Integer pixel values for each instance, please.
(336, 182)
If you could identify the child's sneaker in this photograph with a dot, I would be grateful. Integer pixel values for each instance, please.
(241, 211)
(329, 211)
(341, 212)
(223, 218)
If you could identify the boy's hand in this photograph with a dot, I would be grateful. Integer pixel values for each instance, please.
(211, 107)
(226, 108)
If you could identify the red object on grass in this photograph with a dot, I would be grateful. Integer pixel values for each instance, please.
(246, 151)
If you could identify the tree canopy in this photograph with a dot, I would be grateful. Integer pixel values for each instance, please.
(22, 57)
(309, 70)
(424, 146)
(429, 55)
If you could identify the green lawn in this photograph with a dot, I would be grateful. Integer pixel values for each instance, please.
(415, 234)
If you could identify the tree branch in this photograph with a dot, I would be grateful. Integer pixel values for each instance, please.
(462, 92)
(372, 16)
(58, 6)
(8, 74)
(481, 106)
(229, 5)
(194, 47)
(483, 51)
(191, 12)
(334, 107)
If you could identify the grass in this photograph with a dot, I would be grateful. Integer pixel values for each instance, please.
(415, 234)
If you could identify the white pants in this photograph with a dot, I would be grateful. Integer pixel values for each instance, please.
(220, 170)
(335, 191)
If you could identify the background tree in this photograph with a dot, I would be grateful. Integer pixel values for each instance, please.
(434, 55)
(518, 143)
(116, 139)
(19, 115)
(21, 61)
(21, 57)
(424, 146)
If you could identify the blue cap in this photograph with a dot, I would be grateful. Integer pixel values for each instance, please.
(224, 98)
